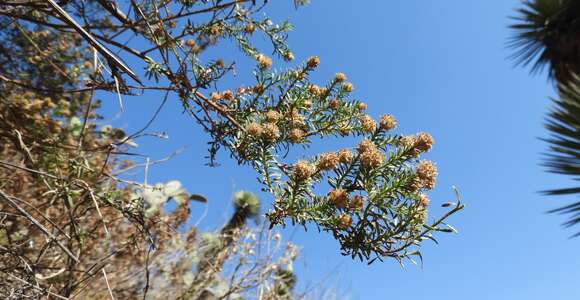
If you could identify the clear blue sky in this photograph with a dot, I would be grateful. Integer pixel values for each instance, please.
(438, 66)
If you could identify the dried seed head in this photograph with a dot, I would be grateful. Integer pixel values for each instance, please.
(365, 146)
(214, 97)
(270, 132)
(368, 124)
(339, 77)
(388, 122)
(408, 141)
(338, 198)
(372, 159)
(334, 103)
(254, 129)
(288, 56)
(345, 156)
(426, 172)
(259, 89)
(423, 200)
(344, 221)
(328, 161)
(347, 87)
(313, 62)
(303, 170)
(307, 104)
(272, 116)
(228, 95)
(250, 28)
(362, 106)
(423, 142)
(357, 203)
(314, 89)
(264, 61)
(296, 135)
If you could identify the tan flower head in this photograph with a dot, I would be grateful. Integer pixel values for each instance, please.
(339, 77)
(264, 61)
(270, 132)
(345, 156)
(328, 161)
(338, 198)
(303, 170)
(388, 122)
(408, 141)
(423, 200)
(288, 56)
(372, 158)
(368, 123)
(307, 104)
(313, 62)
(215, 96)
(296, 135)
(344, 221)
(347, 87)
(254, 129)
(249, 29)
(357, 203)
(228, 95)
(362, 106)
(314, 89)
(365, 146)
(272, 116)
(426, 172)
(423, 142)
(334, 103)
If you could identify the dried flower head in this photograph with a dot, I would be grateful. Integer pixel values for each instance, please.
(423, 142)
(345, 156)
(272, 116)
(408, 141)
(347, 87)
(344, 221)
(368, 124)
(303, 170)
(258, 89)
(250, 28)
(338, 198)
(339, 77)
(215, 96)
(372, 159)
(296, 135)
(228, 95)
(307, 104)
(423, 200)
(314, 89)
(426, 172)
(254, 129)
(270, 132)
(365, 146)
(190, 43)
(357, 203)
(362, 106)
(334, 103)
(327, 161)
(288, 56)
(388, 122)
(264, 61)
(313, 62)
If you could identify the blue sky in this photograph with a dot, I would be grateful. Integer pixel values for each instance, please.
(438, 66)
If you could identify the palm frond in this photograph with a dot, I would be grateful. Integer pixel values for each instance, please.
(564, 125)
(547, 35)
